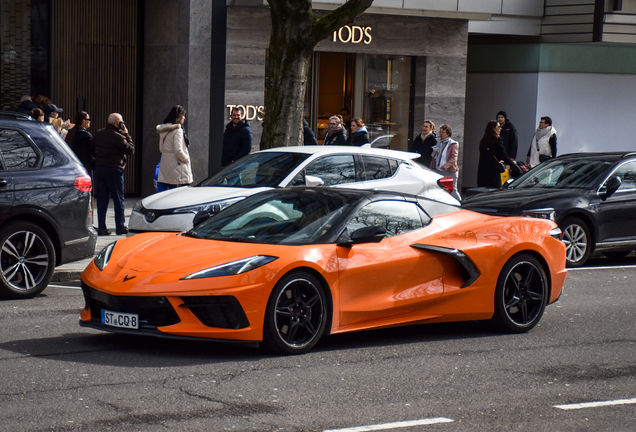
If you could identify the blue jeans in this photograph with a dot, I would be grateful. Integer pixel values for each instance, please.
(109, 183)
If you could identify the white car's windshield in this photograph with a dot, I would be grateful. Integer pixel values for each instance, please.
(266, 169)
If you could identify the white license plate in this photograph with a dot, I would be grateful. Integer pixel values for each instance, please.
(119, 319)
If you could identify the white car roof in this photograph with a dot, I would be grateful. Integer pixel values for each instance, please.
(322, 150)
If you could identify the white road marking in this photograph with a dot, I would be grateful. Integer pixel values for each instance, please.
(609, 267)
(64, 286)
(394, 425)
(596, 404)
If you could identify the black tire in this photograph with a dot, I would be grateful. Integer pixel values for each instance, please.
(296, 314)
(521, 294)
(27, 260)
(577, 239)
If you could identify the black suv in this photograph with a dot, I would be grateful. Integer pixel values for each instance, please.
(45, 206)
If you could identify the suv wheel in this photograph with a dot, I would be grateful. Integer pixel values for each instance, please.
(27, 260)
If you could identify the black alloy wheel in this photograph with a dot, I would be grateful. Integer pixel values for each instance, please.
(27, 260)
(577, 238)
(521, 294)
(296, 314)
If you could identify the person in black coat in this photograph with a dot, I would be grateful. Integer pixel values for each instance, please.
(336, 134)
(309, 138)
(359, 133)
(491, 151)
(80, 140)
(237, 139)
(508, 134)
(423, 144)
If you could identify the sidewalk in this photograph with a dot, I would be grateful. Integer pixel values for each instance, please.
(71, 271)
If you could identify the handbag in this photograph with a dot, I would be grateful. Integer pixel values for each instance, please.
(543, 158)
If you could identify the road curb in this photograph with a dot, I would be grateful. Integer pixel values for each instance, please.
(66, 276)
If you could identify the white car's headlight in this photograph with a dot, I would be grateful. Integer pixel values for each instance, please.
(233, 268)
(102, 258)
(212, 207)
(544, 213)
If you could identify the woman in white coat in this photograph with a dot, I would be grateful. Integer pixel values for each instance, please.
(175, 169)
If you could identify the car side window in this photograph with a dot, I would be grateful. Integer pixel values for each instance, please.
(17, 153)
(627, 174)
(397, 217)
(376, 167)
(333, 170)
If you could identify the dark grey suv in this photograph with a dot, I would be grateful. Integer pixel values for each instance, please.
(45, 206)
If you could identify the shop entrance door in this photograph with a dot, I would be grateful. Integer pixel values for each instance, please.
(375, 88)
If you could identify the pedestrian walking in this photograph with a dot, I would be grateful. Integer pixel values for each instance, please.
(175, 169)
(444, 156)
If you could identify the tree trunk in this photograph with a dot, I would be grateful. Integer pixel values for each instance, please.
(295, 33)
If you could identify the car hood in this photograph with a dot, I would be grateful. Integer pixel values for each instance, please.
(512, 201)
(195, 195)
(155, 253)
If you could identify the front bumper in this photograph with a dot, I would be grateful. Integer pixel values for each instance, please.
(174, 222)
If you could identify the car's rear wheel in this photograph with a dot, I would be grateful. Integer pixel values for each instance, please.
(577, 238)
(521, 294)
(27, 260)
(296, 314)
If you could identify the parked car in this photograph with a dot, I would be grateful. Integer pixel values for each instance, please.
(591, 196)
(351, 167)
(45, 206)
(288, 266)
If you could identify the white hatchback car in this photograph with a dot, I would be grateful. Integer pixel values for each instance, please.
(335, 166)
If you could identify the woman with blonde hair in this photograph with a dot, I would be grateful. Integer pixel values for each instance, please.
(336, 134)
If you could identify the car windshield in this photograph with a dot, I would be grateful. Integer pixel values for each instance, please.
(266, 169)
(563, 173)
(292, 217)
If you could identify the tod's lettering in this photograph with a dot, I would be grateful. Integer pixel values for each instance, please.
(353, 34)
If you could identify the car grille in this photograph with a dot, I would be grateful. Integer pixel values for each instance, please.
(217, 311)
(152, 311)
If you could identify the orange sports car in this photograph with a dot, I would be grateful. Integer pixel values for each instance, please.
(287, 266)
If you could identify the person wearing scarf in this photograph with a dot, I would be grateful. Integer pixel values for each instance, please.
(544, 143)
(445, 157)
(424, 142)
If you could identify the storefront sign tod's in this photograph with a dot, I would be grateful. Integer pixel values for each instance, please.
(251, 112)
(353, 34)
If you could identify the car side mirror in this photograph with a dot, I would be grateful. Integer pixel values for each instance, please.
(612, 186)
(313, 181)
(372, 234)
(201, 217)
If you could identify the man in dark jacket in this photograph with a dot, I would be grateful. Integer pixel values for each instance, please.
(508, 134)
(26, 105)
(237, 139)
(112, 145)
(309, 138)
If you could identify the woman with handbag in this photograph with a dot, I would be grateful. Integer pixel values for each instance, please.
(544, 143)
(491, 153)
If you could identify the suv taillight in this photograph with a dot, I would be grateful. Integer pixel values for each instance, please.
(83, 183)
(446, 183)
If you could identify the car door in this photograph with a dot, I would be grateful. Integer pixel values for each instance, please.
(8, 139)
(381, 280)
(390, 174)
(616, 214)
(333, 170)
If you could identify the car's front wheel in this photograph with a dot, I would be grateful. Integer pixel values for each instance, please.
(577, 238)
(27, 260)
(521, 294)
(296, 314)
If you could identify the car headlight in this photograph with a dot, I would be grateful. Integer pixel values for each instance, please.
(138, 207)
(543, 213)
(233, 268)
(211, 207)
(102, 258)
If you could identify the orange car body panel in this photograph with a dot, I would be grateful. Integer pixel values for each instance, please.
(370, 285)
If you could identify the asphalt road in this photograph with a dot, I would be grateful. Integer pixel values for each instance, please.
(57, 376)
